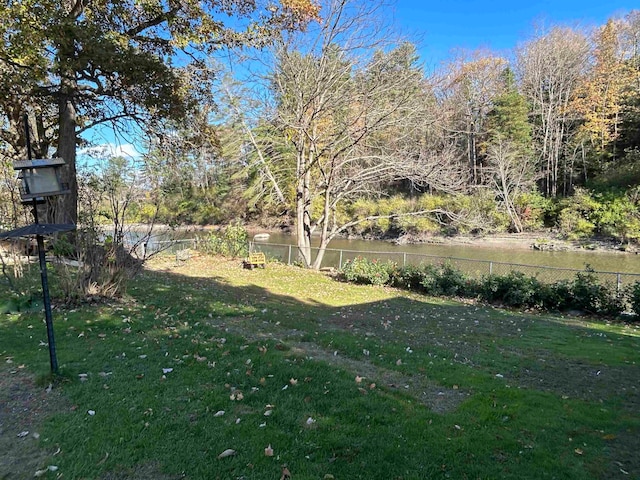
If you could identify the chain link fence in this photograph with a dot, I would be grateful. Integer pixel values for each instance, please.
(336, 258)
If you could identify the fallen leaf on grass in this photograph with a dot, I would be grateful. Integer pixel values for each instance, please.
(268, 451)
(359, 379)
(23, 434)
(219, 413)
(50, 468)
(227, 453)
(579, 451)
(286, 474)
(104, 459)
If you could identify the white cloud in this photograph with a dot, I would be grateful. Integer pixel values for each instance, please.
(110, 150)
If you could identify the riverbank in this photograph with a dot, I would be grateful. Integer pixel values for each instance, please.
(543, 241)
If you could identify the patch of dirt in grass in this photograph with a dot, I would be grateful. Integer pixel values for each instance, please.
(439, 399)
(23, 409)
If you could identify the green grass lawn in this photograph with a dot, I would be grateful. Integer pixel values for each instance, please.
(340, 381)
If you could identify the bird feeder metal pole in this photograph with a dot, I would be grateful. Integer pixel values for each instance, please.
(53, 360)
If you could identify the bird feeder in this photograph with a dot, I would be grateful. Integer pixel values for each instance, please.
(40, 178)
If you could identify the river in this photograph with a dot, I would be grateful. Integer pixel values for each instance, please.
(606, 261)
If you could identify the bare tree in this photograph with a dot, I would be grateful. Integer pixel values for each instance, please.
(472, 82)
(351, 115)
(512, 172)
(551, 66)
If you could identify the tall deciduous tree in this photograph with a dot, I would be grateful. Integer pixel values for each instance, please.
(551, 67)
(601, 94)
(105, 61)
(473, 84)
(629, 138)
(351, 116)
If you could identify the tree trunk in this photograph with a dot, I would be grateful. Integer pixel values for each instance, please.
(324, 233)
(303, 216)
(65, 208)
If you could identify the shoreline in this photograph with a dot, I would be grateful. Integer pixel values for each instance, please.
(542, 240)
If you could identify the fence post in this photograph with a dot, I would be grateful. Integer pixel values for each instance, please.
(490, 268)
(619, 283)
(404, 259)
(340, 261)
(289, 261)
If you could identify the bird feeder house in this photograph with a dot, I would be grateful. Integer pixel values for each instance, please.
(40, 178)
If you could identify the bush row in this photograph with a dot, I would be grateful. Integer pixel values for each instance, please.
(584, 292)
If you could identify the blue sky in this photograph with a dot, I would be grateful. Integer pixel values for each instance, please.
(496, 24)
(444, 25)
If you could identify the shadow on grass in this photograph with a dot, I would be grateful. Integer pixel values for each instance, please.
(590, 361)
(526, 393)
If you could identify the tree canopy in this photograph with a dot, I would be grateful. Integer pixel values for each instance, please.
(73, 64)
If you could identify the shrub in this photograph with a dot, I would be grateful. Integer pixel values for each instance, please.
(533, 208)
(409, 277)
(633, 296)
(233, 241)
(442, 279)
(453, 282)
(556, 296)
(587, 294)
(574, 226)
(586, 291)
(365, 271)
(575, 216)
(514, 289)
(617, 216)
